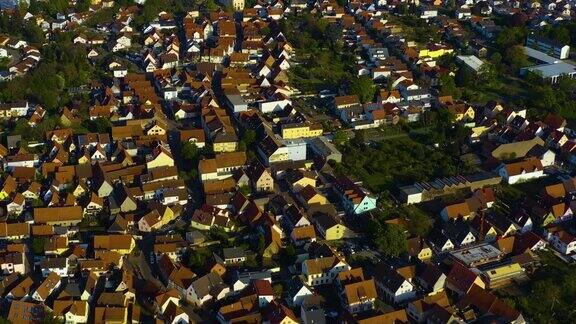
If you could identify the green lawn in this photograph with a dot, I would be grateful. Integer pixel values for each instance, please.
(388, 164)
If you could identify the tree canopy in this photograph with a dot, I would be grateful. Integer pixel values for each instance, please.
(364, 88)
(389, 238)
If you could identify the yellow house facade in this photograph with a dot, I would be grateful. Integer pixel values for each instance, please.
(161, 160)
(317, 199)
(156, 130)
(4, 195)
(425, 254)
(84, 159)
(467, 114)
(167, 217)
(338, 232)
(478, 132)
(435, 52)
(225, 147)
(300, 131)
(303, 182)
(503, 274)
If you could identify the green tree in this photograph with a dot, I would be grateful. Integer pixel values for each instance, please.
(516, 57)
(389, 238)
(364, 88)
(261, 243)
(448, 86)
(340, 137)
(98, 125)
(33, 34)
(247, 139)
(38, 245)
(333, 34)
(359, 138)
(197, 258)
(190, 151)
(420, 223)
(278, 290)
(465, 78)
(82, 6)
(510, 37)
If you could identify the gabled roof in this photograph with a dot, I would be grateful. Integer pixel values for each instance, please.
(461, 277)
(389, 278)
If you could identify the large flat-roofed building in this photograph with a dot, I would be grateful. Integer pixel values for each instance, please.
(548, 46)
(553, 71)
(550, 67)
(425, 191)
(471, 62)
(477, 255)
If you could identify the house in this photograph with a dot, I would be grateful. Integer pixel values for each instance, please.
(274, 150)
(95, 205)
(174, 314)
(461, 111)
(221, 166)
(119, 243)
(419, 249)
(325, 149)
(20, 310)
(431, 278)
(276, 312)
(356, 200)
(300, 292)
(343, 102)
(264, 291)
(321, 271)
(194, 136)
(233, 255)
(260, 177)
(61, 216)
(461, 280)
(123, 42)
(484, 302)
(298, 179)
(58, 265)
(164, 299)
(310, 196)
(245, 309)
(50, 283)
(562, 240)
(206, 288)
(524, 170)
(111, 307)
(456, 211)
(421, 309)
(359, 296)
(303, 234)
(208, 216)
(153, 221)
(13, 262)
(330, 227)
(161, 157)
(71, 311)
(458, 232)
(14, 231)
(300, 130)
(393, 286)
(242, 280)
(440, 241)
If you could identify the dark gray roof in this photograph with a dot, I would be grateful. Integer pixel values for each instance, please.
(233, 253)
(53, 263)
